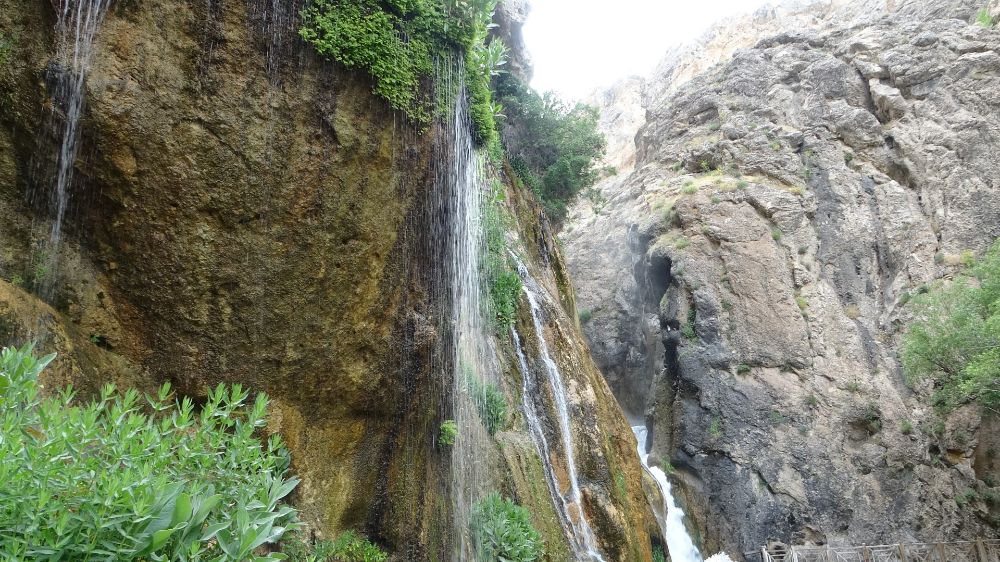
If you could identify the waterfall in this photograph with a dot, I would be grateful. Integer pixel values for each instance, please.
(569, 504)
(459, 184)
(679, 543)
(77, 22)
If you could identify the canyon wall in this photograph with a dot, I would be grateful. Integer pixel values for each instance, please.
(799, 174)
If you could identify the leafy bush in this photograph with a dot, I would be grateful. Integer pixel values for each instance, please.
(905, 427)
(552, 146)
(955, 337)
(658, 555)
(682, 242)
(448, 432)
(852, 311)
(349, 547)
(715, 430)
(501, 530)
(776, 418)
(687, 329)
(500, 284)
(108, 481)
(585, 315)
(743, 369)
(689, 189)
(776, 233)
(489, 401)
(396, 41)
(742, 183)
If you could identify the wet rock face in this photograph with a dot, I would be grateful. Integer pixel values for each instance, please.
(794, 196)
(244, 212)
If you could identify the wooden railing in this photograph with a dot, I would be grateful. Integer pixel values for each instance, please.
(979, 550)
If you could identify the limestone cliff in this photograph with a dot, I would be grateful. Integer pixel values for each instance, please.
(796, 179)
(243, 211)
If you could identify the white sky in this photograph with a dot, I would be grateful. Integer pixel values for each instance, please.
(579, 44)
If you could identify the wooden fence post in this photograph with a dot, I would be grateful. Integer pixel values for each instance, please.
(940, 548)
(902, 552)
(981, 549)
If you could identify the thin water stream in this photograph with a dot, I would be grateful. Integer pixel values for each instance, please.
(569, 504)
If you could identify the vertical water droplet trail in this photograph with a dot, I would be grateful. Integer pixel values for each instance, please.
(77, 21)
(460, 184)
(568, 505)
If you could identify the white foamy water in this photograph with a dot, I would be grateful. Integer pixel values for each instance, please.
(679, 543)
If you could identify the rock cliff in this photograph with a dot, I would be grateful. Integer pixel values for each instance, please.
(244, 212)
(798, 175)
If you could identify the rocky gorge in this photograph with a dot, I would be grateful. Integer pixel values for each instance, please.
(192, 193)
(785, 185)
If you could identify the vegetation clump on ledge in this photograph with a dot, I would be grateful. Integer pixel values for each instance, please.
(955, 339)
(397, 42)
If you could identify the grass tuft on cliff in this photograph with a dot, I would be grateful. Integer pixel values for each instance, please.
(955, 337)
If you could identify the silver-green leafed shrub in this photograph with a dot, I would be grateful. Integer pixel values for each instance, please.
(121, 478)
(501, 530)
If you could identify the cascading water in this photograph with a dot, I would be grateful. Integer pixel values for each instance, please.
(679, 543)
(76, 24)
(569, 503)
(460, 184)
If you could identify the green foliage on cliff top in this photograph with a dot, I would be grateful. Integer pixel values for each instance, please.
(107, 481)
(397, 42)
(502, 530)
(554, 147)
(955, 338)
(983, 17)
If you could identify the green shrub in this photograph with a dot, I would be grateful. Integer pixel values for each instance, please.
(983, 17)
(776, 418)
(585, 315)
(501, 530)
(687, 182)
(812, 400)
(904, 298)
(489, 401)
(713, 127)
(689, 190)
(499, 283)
(622, 490)
(848, 157)
(658, 555)
(448, 432)
(557, 144)
(687, 330)
(682, 243)
(743, 369)
(853, 386)
(776, 233)
(906, 427)
(106, 480)
(667, 467)
(348, 547)
(801, 302)
(742, 183)
(955, 336)
(715, 430)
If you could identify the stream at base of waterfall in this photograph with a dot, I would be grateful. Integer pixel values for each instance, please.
(671, 517)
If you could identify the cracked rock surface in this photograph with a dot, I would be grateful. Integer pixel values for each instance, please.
(748, 275)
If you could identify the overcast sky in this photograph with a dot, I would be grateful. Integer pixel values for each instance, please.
(579, 44)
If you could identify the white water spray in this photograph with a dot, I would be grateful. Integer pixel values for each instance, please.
(569, 504)
(679, 543)
(77, 23)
